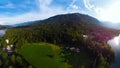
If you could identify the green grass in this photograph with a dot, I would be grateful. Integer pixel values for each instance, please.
(43, 55)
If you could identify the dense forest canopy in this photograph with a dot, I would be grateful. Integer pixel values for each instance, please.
(69, 30)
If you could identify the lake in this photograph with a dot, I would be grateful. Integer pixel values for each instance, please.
(115, 44)
(2, 32)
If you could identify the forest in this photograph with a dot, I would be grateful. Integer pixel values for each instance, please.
(65, 31)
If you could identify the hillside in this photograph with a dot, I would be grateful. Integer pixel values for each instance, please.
(69, 30)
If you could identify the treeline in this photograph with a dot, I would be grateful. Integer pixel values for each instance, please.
(14, 60)
(67, 31)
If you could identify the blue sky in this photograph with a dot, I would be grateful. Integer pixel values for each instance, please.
(19, 11)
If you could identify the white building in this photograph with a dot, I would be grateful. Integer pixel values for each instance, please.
(85, 36)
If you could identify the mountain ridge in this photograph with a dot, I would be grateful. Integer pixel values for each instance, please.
(74, 16)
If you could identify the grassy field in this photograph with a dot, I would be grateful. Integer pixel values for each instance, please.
(43, 55)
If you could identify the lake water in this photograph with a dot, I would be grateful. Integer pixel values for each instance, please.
(115, 44)
(2, 32)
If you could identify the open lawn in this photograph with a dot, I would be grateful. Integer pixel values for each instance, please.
(43, 55)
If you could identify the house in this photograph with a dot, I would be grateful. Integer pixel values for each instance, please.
(9, 49)
(72, 49)
(11, 46)
(85, 36)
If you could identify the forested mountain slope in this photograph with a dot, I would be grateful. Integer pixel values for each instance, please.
(69, 30)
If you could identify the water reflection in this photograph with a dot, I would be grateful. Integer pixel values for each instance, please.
(115, 44)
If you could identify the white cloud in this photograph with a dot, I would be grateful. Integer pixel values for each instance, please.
(88, 5)
(46, 11)
(31, 16)
(72, 5)
(75, 7)
(109, 13)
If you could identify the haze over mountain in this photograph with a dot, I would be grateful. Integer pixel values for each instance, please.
(111, 25)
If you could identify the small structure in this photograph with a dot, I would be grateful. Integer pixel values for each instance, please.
(72, 49)
(85, 36)
(7, 41)
(11, 46)
(9, 49)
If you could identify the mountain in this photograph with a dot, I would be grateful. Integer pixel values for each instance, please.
(76, 17)
(25, 24)
(5, 26)
(70, 32)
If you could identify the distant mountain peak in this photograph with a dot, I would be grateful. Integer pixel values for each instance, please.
(77, 17)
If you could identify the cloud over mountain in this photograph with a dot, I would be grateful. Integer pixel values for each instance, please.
(13, 12)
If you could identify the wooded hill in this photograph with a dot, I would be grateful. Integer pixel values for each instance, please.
(68, 30)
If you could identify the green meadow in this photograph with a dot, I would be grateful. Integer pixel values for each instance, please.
(43, 55)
